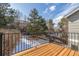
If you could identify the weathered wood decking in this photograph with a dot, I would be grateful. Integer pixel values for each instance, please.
(49, 50)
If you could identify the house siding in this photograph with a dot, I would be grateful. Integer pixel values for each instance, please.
(73, 27)
(73, 23)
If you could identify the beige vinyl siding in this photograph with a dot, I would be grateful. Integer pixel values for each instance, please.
(73, 26)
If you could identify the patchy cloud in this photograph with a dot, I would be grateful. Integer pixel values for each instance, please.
(49, 9)
(52, 8)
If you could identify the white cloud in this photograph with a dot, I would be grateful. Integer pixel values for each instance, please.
(52, 8)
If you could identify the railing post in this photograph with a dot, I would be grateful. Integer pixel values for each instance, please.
(1, 44)
(49, 39)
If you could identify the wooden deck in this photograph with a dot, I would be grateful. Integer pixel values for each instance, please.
(49, 49)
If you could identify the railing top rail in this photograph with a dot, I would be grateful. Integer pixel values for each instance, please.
(50, 33)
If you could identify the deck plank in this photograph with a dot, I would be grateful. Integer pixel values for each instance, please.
(62, 52)
(49, 50)
(36, 51)
(40, 51)
(54, 51)
(46, 48)
(71, 53)
(67, 52)
(76, 54)
(31, 50)
(55, 54)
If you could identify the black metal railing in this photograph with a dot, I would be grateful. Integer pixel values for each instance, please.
(1, 43)
(12, 43)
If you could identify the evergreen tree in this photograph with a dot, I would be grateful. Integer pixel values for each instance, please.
(7, 15)
(63, 25)
(63, 28)
(36, 24)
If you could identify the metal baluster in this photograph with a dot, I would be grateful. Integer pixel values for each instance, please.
(18, 41)
(3, 44)
(14, 41)
(74, 41)
(71, 37)
(8, 44)
(26, 42)
(66, 40)
(12, 44)
(78, 41)
(21, 42)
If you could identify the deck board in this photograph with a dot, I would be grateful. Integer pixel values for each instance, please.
(62, 52)
(49, 50)
(40, 51)
(71, 53)
(54, 51)
(67, 52)
(76, 54)
(37, 51)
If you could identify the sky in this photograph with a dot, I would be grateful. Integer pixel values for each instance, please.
(54, 11)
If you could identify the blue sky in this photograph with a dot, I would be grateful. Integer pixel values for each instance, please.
(54, 11)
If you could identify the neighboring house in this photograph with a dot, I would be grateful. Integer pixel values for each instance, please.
(50, 25)
(18, 24)
(73, 27)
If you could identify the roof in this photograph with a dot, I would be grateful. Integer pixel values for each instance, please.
(71, 12)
